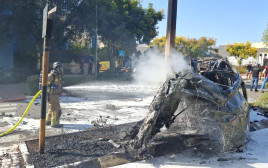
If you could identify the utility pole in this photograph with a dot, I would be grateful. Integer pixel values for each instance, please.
(171, 27)
(96, 42)
(48, 24)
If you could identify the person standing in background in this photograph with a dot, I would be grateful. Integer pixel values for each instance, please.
(98, 67)
(82, 67)
(249, 68)
(265, 80)
(256, 74)
(90, 66)
(72, 65)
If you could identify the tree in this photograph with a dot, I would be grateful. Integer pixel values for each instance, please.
(23, 27)
(242, 51)
(188, 47)
(265, 36)
(122, 24)
(126, 24)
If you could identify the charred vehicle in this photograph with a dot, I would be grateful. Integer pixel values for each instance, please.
(203, 107)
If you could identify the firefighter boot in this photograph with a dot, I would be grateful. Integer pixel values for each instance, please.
(57, 126)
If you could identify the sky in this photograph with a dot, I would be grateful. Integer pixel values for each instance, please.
(227, 21)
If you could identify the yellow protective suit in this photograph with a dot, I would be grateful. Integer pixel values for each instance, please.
(54, 91)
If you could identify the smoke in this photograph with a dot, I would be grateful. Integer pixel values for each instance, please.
(152, 69)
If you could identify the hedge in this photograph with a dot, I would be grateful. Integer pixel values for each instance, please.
(68, 80)
(33, 84)
(11, 76)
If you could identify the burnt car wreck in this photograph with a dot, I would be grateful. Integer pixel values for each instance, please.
(203, 107)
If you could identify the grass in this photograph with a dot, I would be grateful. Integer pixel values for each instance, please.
(262, 102)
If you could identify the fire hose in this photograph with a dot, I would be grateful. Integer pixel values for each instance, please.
(27, 109)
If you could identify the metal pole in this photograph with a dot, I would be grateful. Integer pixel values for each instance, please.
(171, 27)
(96, 39)
(44, 94)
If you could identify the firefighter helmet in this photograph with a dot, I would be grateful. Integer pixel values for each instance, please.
(58, 68)
(57, 65)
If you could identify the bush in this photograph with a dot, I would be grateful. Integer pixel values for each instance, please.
(68, 80)
(33, 84)
(11, 76)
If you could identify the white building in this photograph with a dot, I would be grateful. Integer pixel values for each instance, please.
(262, 53)
(261, 59)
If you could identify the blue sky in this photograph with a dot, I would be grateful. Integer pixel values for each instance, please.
(227, 21)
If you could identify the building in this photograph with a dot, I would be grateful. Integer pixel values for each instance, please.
(6, 49)
(262, 53)
(261, 59)
(142, 48)
(6, 56)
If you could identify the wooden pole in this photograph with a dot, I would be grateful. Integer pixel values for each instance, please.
(44, 95)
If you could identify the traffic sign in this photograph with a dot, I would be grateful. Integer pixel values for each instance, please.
(121, 53)
(44, 31)
(51, 22)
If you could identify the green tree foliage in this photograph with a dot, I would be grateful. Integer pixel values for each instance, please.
(242, 51)
(265, 36)
(122, 24)
(21, 25)
(79, 47)
(126, 25)
(188, 47)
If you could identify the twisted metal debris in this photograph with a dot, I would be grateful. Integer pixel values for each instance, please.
(205, 104)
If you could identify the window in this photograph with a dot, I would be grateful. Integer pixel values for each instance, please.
(260, 54)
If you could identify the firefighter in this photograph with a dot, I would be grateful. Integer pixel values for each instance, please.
(54, 90)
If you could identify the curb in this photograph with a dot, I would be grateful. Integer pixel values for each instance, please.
(101, 162)
(25, 153)
(15, 99)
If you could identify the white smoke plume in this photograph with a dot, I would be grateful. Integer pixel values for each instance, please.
(152, 69)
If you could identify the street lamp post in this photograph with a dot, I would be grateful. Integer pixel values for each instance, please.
(171, 31)
(171, 27)
(47, 33)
